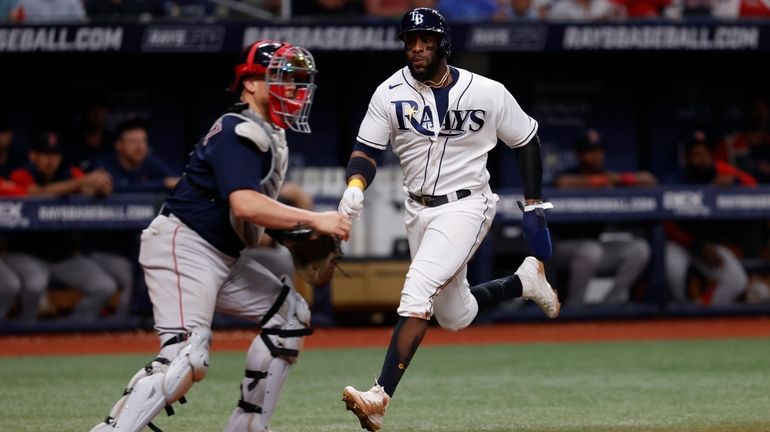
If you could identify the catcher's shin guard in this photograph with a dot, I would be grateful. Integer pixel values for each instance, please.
(161, 383)
(268, 361)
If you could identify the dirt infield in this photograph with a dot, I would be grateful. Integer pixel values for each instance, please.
(239, 340)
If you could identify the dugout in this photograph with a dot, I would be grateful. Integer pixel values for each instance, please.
(643, 95)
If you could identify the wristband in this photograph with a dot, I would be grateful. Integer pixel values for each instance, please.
(541, 205)
(357, 183)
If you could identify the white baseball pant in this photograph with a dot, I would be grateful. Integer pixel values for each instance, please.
(442, 240)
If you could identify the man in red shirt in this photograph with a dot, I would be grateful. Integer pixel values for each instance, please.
(700, 242)
(749, 148)
(46, 176)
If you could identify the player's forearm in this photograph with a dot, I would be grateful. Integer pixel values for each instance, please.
(262, 210)
(361, 167)
(531, 169)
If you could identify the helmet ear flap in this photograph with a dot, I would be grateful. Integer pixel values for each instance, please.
(254, 61)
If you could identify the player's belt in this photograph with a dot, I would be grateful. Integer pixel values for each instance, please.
(437, 200)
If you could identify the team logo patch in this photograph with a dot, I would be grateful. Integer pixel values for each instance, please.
(416, 17)
(215, 129)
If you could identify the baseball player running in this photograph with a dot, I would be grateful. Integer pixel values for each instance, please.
(190, 251)
(441, 122)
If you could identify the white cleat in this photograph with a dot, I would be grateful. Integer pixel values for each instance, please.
(368, 406)
(535, 287)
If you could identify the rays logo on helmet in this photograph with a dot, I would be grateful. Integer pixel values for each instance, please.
(455, 122)
(416, 17)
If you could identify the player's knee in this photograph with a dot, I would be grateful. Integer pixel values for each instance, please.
(36, 284)
(10, 286)
(190, 365)
(639, 251)
(200, 342)
(454, 324)
(101, 285)
(589, 254)
(415, 297)
(451, 325)
(284, 334)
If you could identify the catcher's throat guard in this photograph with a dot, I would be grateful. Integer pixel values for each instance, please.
(315, 255)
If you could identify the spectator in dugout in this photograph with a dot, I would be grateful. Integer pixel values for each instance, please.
(699, 267)
(749, 150)
(132, 169)
(10, 158)
(91, 138)
(588, 250)
(37, 258)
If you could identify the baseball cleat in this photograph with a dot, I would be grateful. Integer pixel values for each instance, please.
(535, 287)
(368, 406)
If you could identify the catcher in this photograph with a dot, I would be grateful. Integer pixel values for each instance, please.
(189, 253)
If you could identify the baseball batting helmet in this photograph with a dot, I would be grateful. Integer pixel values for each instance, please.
(426, 19)
(289, 72)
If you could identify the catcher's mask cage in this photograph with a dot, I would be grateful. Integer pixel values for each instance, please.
(289, 73)
(428, 20)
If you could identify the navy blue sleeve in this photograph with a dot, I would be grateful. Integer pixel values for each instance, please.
(236, 161)
(370, 151)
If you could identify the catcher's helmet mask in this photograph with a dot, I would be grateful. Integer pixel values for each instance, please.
(429, 20)
(289, 73)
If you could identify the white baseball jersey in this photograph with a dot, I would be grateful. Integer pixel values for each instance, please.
(440, 156)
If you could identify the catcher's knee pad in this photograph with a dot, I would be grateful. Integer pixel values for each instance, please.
(163, 382)
(268, 362)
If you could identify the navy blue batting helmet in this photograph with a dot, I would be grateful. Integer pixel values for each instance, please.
(426, 19)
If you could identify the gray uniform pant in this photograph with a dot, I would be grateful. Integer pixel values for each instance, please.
(10, 287)
(188, 279)
(79, 271)
(586, 258)
(731, 278)
(122, 270)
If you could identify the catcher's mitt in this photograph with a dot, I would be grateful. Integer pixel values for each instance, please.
(315, 255)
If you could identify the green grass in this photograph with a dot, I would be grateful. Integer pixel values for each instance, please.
(680, 386)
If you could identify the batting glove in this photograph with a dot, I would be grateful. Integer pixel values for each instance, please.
(535, 229)
(352, 202)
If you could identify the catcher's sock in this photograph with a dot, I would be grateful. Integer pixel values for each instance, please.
(407, 336)
(489, 294)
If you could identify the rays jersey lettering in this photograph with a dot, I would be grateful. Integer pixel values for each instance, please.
(455, 123)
